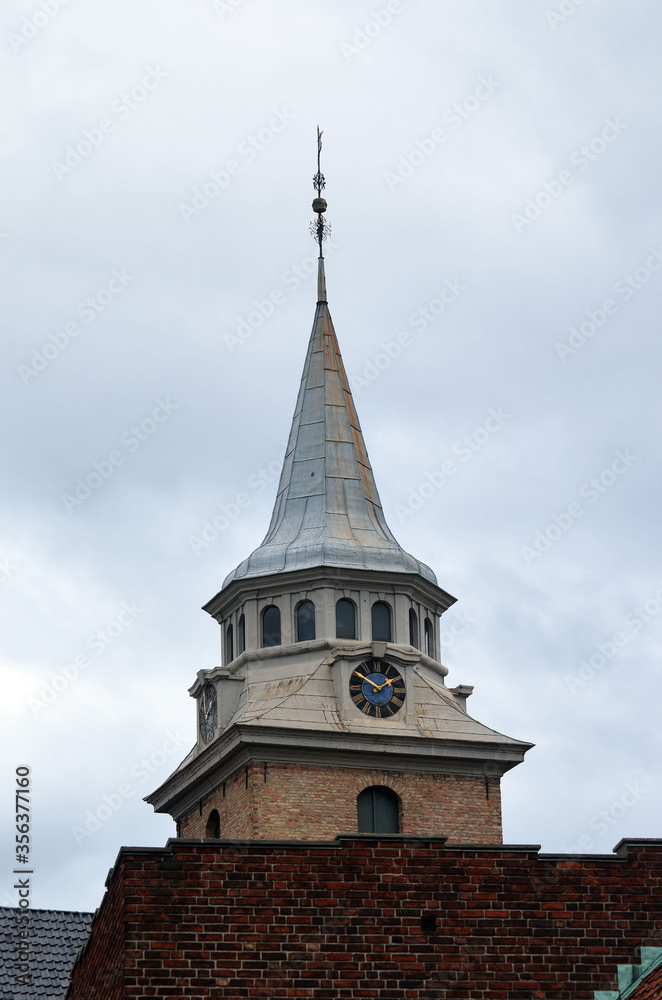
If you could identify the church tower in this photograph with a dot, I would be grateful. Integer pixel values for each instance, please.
(330, 712)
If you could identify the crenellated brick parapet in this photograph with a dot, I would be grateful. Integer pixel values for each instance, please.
(369, 916)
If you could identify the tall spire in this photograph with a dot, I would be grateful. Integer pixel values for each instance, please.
(328, 511)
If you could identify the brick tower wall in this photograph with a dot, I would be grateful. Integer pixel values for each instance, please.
(309, 802)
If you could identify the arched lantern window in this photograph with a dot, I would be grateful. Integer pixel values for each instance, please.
(414, 639)
(381, 622)
(345, 619)
(271, 635)
(305, 615)
(429, 637)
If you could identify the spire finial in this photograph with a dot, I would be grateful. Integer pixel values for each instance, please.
(320, 229)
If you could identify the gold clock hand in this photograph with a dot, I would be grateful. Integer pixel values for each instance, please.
(376, 686)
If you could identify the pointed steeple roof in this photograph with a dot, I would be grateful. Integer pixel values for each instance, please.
(328, 511)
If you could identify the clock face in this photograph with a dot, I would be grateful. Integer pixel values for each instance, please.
(377, 689)
(207, 713)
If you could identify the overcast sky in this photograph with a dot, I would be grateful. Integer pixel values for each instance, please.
(494, 277)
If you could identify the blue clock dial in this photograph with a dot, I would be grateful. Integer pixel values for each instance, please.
(377, 689)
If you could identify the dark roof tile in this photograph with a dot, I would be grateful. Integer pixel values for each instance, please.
(56, 936)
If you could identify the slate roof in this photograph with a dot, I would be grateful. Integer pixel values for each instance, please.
(56, 936)
(327, 511)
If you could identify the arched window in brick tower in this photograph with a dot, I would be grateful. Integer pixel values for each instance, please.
(305, 616)
(381, 622)
(229, 644)
(378, 810)
(345, 619)
(271, 626)
(213, 828)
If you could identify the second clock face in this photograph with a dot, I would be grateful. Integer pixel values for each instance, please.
(208, 713)
(377, 689)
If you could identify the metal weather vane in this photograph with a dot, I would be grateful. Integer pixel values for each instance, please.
(320, 228)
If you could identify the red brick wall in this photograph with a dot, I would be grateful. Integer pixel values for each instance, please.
(343, 920)
(105, 980)
(308, 802)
